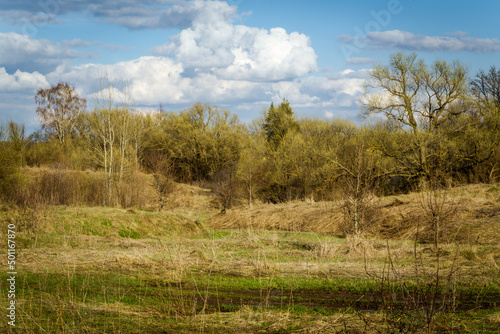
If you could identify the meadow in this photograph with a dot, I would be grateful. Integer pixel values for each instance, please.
(264, 268)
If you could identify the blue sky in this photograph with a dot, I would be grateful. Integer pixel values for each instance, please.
(236, 54)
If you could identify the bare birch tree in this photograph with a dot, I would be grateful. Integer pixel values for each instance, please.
(59, 108)
(110, 131)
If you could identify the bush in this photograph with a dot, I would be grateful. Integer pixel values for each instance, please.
(9, 176)
(43, 186)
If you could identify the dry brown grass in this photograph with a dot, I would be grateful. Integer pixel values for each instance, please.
(320, 217)
(476, 218)
(51, 186)
(191, 197)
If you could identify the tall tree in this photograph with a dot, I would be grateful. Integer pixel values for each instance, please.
(413, 94)
(278, 122)
(418, 97)
(58, 109)
(486, 89)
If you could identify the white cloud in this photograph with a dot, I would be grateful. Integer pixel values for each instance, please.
(149, 79)
(236, 52)
(21, 52)
(154, 80)
(21, 81)
(292, 90)
(211, 60)
(271, 55)
(347, 82)
(329, 114)
(397, 39)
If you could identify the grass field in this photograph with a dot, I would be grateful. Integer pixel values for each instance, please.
(266, 269)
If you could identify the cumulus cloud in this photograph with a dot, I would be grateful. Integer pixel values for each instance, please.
(333, 93)
(148, 79)
(21, 52)
(211, 59)
(154, 79)
(329, 114)
(397, 39)
(347, 82)
(213, 44)
(20, 81)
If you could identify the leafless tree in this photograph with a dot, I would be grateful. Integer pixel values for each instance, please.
(410, 92)
(58, 109)
(416, 96)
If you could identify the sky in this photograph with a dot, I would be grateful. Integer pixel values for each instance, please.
(240, 55)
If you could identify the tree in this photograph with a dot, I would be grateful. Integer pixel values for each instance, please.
(200, 141)
(113, 139)
(486, 89)
(100, 142)
(18, 140)
(279, 128)
(415, 95)
(278, 122)
(359, 168)
(58, 109)
(418, 97)
(250, 171)
(113, 134)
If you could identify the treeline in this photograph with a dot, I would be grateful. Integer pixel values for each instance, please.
(436, 123)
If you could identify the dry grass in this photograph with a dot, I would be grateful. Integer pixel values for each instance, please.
(476, 221)
(49, 186)
(319, 217)
(269, 269)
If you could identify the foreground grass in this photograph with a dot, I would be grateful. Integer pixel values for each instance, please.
(104, 270)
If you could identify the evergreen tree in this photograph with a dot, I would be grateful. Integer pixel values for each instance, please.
(278, 122)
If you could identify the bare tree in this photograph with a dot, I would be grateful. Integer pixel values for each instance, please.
(486, 89)
(100, 144)
(419, 97)
(58, 109)
(110, 132)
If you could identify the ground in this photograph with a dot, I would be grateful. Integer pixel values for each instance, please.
(284, 268)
